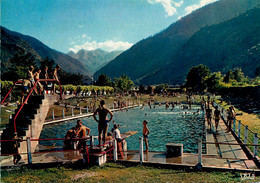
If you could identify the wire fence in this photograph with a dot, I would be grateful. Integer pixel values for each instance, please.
(243, 132)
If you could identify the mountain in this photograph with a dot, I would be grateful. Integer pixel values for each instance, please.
(149, 56)
(95, 59)
(66, 62)
(230, 44)
(11, 45)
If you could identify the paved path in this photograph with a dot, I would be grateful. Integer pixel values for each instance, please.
(233, 155)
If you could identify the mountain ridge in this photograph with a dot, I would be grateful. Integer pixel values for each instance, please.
(152, 53)
(238, 39)
(66, 62)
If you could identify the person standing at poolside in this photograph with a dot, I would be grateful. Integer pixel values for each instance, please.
(102, 112)
(55, 76)
(209, 116)
(230, 118)
(119, 140)
(145, 134)
(217, 117)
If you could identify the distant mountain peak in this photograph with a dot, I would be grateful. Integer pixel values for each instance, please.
(94, 59)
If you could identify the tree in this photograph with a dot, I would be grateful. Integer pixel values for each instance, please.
(196, 77)
(141, 88)
(123, 83)
(238, 74)
(149, 89)
(50, 63)
(103, 80)
(19, 64)
(160, 88)
(257, 71)
(70, 78)
(229, 76)
(213, 81)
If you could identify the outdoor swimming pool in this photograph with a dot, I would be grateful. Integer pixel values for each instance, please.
(165, 126)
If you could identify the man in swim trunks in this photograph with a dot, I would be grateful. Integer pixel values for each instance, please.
(26, 85)
(81, 132)
(102, 112)
(145, 134)
(30, 76)
(209, 116)
(217, 117)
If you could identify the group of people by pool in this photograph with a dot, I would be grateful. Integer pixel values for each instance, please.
(217, 114)
(77, 136)
(105, 116)
(35, 74)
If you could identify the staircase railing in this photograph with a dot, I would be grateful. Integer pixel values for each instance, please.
(35, 84)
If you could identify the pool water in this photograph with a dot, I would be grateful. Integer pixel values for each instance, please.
(175, 126)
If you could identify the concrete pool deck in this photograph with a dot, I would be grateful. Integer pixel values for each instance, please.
(218, 157)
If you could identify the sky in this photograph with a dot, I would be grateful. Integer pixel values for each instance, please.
(72, 25)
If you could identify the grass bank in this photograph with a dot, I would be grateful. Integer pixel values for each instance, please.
(112, 172)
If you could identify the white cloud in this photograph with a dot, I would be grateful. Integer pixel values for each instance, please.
(191, 8)
(169, 5)
(72, 42)
(108, 45)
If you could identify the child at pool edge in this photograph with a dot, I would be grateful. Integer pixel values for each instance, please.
(145, 134)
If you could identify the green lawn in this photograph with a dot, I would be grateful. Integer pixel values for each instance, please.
(112, 172)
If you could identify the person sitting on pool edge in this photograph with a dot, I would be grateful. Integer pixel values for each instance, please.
(145, 134)
(81, 132)
(69, 143)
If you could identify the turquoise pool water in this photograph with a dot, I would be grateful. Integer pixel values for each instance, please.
(176, 126)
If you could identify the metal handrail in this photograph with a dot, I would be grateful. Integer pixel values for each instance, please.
(10, 91)
(35, 84)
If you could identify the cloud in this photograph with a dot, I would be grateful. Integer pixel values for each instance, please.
(191, 8)
(108, 45)
(169, 5)
(80, 26)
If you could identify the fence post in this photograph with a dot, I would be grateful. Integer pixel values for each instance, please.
(29, 153)
(255, 142)
(63, 113)
(234, 125)
(115, 151)
(91, 141)
(53, 116)
(199, 165)
(141, 150)
(246, 131)
(87, 109)
(72, 112)
(80, 110)
(239, 128)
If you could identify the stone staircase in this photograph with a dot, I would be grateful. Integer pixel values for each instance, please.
(29, 122)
